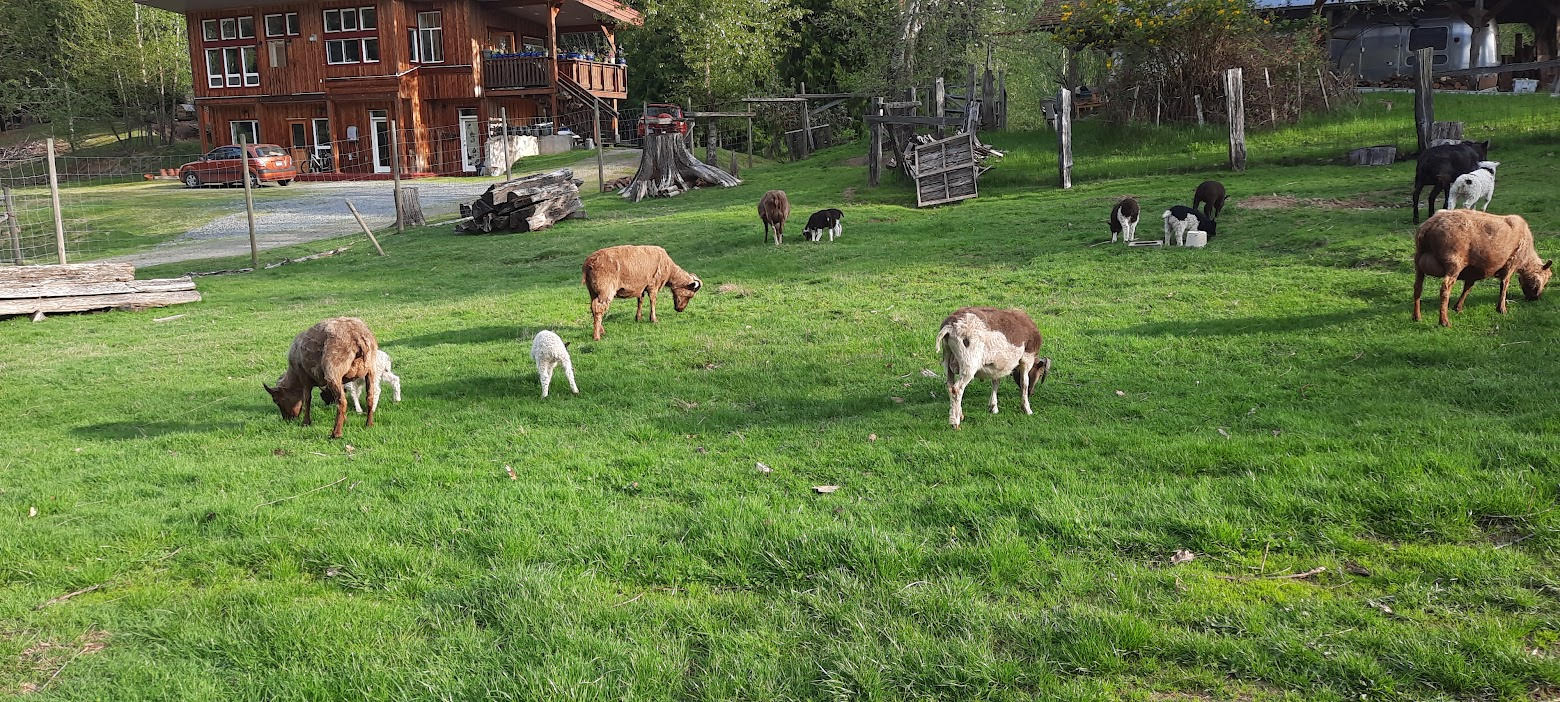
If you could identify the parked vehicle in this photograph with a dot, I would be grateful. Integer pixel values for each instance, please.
(669, 119)
(268, 163)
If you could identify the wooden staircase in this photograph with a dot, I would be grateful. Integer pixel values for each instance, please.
(576, 105)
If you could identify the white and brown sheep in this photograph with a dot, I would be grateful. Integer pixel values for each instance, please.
(325, 356)
(773, 209)
(382, 361)
(986, 342)
(1470, 245)
(634, 272)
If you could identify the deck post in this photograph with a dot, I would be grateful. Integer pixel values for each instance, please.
(595, 123)
(503, 116)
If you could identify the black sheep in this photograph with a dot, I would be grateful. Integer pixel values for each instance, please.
(1440, 165)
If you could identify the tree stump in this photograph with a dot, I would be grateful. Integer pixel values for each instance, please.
(411, 208)
(667, 168)
(1373, 156)
(1446, 130)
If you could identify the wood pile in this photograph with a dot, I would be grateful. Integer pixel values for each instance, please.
(667, 169)
(524, 204)
(80, 287)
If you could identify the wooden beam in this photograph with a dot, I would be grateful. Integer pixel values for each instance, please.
(775, 99)
(75, 272)
(901, 104)
(97, 302)
(737, 115)
(905, 120)
(830, 96)
(120, 287)
(1507, 68)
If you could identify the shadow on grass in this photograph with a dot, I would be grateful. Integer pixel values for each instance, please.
(1253, 325)
(115, 431)
(466, 335)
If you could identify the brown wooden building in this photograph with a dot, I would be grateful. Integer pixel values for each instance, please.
(325, 78)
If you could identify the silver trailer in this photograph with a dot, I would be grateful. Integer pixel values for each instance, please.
(1378, 51)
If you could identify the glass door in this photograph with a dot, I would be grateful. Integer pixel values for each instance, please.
(470, 140)
(379, 131)
(322, 144)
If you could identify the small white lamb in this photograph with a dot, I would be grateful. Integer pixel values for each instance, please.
(549, 352)
(1469, 187)
(382, 360)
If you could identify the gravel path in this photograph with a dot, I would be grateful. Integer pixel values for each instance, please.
(308, 211)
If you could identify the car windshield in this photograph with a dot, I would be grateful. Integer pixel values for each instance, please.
(269, 151)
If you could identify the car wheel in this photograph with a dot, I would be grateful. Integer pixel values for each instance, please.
(254, 181)
(283, 183)
(191, 180)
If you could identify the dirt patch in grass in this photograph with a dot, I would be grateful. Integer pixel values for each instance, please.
(733, 289)
(43, 661)
(855, 161)
(1367, 201)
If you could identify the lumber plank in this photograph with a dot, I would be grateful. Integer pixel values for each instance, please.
(117, 287)
(69, 273)
(85, 303)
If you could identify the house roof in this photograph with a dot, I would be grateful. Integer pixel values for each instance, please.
(574, 12)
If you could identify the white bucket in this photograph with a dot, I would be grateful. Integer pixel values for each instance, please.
(1196, 239)
(1524, 85)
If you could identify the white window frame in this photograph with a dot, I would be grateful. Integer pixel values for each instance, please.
(424, 45)
(289, 25)
(210, 31)
(233, 131)
(363, 52)
(232, 57)
(333, 12)
(229, 28)
(360, 43)
(246, 56)
(214, 74)
(241, 34)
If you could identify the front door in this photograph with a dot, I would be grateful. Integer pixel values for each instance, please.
(322, 142)
(470, 140)
(379, 130)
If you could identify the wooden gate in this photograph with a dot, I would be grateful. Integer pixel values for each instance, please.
(945, 171)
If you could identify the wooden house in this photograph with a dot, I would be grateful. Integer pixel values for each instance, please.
(325, 78)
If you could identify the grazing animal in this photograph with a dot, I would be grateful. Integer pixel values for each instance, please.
(990, 343)
(1181, 219)
(1210, 198)
(1470, 187)
(1438, 166)
(823, 221)
(1470, 245)
(325, 356)
(635, 271)
(550, 351)
(1124, 220)
(382, 362)
(773, 209)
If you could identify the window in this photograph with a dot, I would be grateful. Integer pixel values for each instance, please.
(362, 44)
(299, 135)
(246, 27)
(533, 44)
(281, 25)
(349, 19)
(223, 152)
(333, 20)
(213, 68)
(365, 50)
(233, 64)
(371, 50)
(428, 38)
(367, 18)
(230, 28)
(268, 151)
(209, 31)
(1427, 37)
(251, 65)
(246, 129)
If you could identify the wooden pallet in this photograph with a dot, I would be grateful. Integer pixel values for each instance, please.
(945, 171)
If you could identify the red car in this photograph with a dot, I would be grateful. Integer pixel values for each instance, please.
(670, 119)
(267, 163)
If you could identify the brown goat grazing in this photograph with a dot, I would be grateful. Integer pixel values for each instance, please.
(1210, 198)
(635, 271)
(985, 342)
(1470, 245)
(773, 208)
(325, 356)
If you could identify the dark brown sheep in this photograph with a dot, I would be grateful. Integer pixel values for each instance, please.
(326, 356)
(1470, 245)
(635, 271)
(1210, 198)
(773, 209)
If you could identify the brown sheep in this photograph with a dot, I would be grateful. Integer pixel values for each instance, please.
(1470, 245)
(1210, 198)
(635, 271)
(773, 209)
(985, 342)
(325, 356)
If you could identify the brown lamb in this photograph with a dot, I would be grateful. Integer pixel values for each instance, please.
(1210, 198)
(326, 356)
(773, 209)
(635, 271)
(1470, 245)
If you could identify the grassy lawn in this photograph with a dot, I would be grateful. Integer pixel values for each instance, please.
(1264, 403)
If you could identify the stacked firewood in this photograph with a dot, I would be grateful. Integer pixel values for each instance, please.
(524, 204)
(36, 290)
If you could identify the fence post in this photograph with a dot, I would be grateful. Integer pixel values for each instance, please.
(939, 97)
(249, 202)
(1197, 100)
(54, 196)
(1272, 104)
(1064, 159)
(503, 116)
(711, 138)
(365, 228)
(1424, 96)
(806, 124)
(875, 142)
(15, 225)
(1235, 107)
(750, 142)
(601, 169)
(395, 176)
(1322, 84)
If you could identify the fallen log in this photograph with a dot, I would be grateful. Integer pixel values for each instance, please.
(117, 287)
(70, 273)
(85, 303)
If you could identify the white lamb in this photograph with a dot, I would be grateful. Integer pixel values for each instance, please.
(549, 352)
(382, 360)
(1470, 187)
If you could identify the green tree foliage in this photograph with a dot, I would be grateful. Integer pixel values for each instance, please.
(702, 52)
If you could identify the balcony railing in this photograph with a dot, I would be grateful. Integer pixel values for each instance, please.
(516, 72)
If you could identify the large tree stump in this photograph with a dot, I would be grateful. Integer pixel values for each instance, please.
(1373, 156)
(667, 168)
(411, 208)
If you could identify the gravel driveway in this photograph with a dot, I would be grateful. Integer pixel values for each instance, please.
(306, 211)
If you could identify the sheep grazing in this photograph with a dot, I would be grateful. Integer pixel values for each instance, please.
(1470, 245)
(324, 356)
(1438, 166)
(1181, 219)
(382, 361)
(823, 221)
(549, 351)
(773, 209)
(1124, 220)
(1469, 188)
(635, 271)
(1210, 198)
(986, 342)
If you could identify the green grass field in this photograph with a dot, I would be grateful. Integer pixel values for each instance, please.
(1264, 403)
